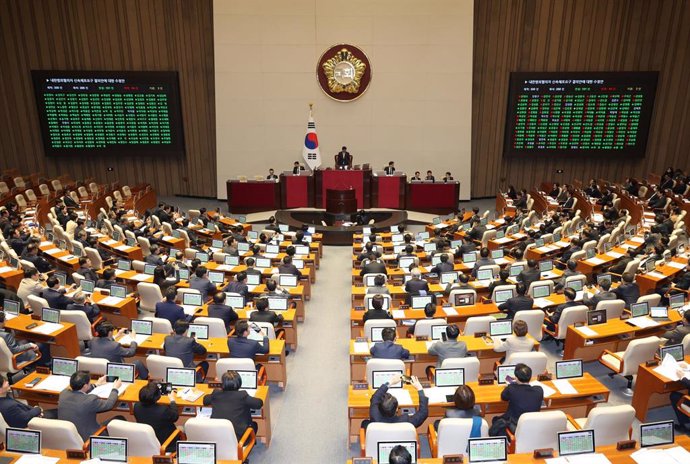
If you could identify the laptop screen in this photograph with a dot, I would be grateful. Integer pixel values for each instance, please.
(449, 277)
(591, 253)
(87, 285)
(277, 304)
(262, 263)
(385, 448)
(234, 301)
(397, 238)
(231, 260)
(118, 291)
(380, 377)
(216, 277)
(253, 279)
(108, 449)
(497, 254)
(545, 266)
(435, 260)
(464, 299)
(596, 316)
(420, 301)
(423, 236)
(76, 251)
(656, 433)
(215, 243)
(252, 234)
(199, 331)
(124, 372)
(142, 327)
(601, 278)
(649, 265)
(658, 312)
(62, 278)
(12, 307)
(183, 274)
(23, 441)
(639, 309)
(377, 334)
(64, 366)
(674, 350)
(485, 274)
(196, 453)
(504, 371)
(539, 242)
(242, 247)
(676, 300)
(405, 263)
(301, 250)
(569, 369)
(191, 299)
(299, 263)
(203, 257)
(469, 258)
(437, 331)
(578, 442)
(501, 296)
(50, 315)
(487, 449)
(287, 280)
(500, 328)
(429, 246)
(180, 377)
(516, 269)
(249, 380)
(452, 377)
(541, 291)
(576, 284)
(369, 280)
(124, 265)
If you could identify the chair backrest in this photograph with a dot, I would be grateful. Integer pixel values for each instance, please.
(79, 246)
(31, 195)
(117, 195)
(158, 365)
(4, 188)
(470, 364)
(370, 277)
(578, 255)
(20, 200)
(369, 325)
(149, 295)
(686, 344)
(185, 236)
(234, 364)
(219, 431)
(160, 325)
(94, 366)
(56, 434)
(570, 316)
(582, 278)
(216, 326)
(189, 253)
(79, 319)
(26, 265)
(638, 352)
(539, 283)
(19, 182)
(36, 303)
(376, 364)
(477, 324)
(536, 360)
(3, 427)
(83, 193)
(589, 244)
(93, 188)
(632, 266)
(422, 327)
(6, 364)
(268, 329)
(94, 256)
(535, 322)
(126, 191)
(653, 299)
(138, 265)
(611, 424)
(379, 432)
(539, 430)
(167, 228)
(488, 235)
(462, 291)
(145, 245)
(614, 308)
(57, 185)
(603, 240)
(141, 438)
(453, 435)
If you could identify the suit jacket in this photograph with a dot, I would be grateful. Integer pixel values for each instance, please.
(443, 267)
(225, 312)
(477, 232)
(289, 269)
(556, 316)
(514, 344)
(481, 262)
(241, 347)
(29, 287)
(154, 259)
(629, 293)
(183, 348)
(106, 284)
(161, 417)
(91, 311)
(415, 419)
(378, 290)
(12, 344)
(170, 311)
(266, 316)
(676, 336)
(203, 285)
(449, 349)
(17, 414)
(40, 262)
(111, 350)
(376, 314)
(56, 299)
(389, 170)
(569, 252)
(521, 398)
(414, 286)
(516, 304)
(374, 267)
(88, 273)
(569, 203)
(601, 296)
(80, 409)
(528, 276)
(389, 350)
(237, 287)
(235, 406)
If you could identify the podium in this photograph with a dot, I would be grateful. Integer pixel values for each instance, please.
(341, 201)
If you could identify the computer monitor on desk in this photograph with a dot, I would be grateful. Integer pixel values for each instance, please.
(189, 452)
(596, 316)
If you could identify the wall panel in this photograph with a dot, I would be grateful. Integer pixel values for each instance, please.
(125, 35)
(578, 35)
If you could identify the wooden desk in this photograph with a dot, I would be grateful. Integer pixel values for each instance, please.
(119, 314)
(274, 361)
(11, 277)
(590, 392)
(119, 248)
(61, 258)
(651, 390)
(63, 342)
(614, 335)
(397, 291)
(296, 294)
(648, 282)
(63, 459)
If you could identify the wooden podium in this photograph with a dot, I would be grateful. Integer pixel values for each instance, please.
(341, 201)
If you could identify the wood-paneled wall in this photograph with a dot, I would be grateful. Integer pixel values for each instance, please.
(578, 35)
(121, 35)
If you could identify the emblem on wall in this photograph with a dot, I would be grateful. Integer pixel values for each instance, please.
(344, 72)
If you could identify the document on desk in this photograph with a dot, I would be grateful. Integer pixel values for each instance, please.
(548, 391)
(642, 322)
(675, 455)
(46, 243)
(595, 261)
(168, 238)
(361, 347)
(109, 242)
(122, 248)
(656, 275)
(6, 269)
(637, 239)
(52, 251)
(47, 328)
(53, 383)
(668, 368)
(398, 314)
(503, 240)
(111, 301)
(565, 387)
(543, 302)
(103, 391)
(675, 265)
(586, 331)
(450, 311)
(204, 412)
(402, 395)
(36, 459)
(140, 277)
(589, 458)
(438, 395)
(614, 254)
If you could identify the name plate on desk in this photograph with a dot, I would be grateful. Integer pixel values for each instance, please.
(360, 386)
(452, 458)
(162, 459)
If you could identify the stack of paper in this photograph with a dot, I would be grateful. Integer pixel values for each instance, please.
(110, 301)
(122, 247)
(36, 459)
(438, 395)
(47, 328)
(595, 261)
(543, 302)
(587, 331)
(589, 458)
(548, 391)
(450, 311)
(565, 387)
(140, 277)
(669, 368)
(6, 269)
(103, 391)
(398, 314)
(675, 265)
(402, 395)
(55, 383)
(642, 322)
(675, 455)
(109, 242)
(614, 254)
(656, 275)
(52, 251)
(361, 347)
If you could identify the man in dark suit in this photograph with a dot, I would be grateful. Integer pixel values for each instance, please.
(529, 275)
(604, 294)
(622, 263)
(184, 348)
(161, 417)
(104, 346)
(242, 347)
(430, 177)
(271, 175)
(377, 311)
(155, 256)
(249, 262)
(383, 406)
(78, 407)
(374, 266)
(443, 266)
(676, 336)
(81, 303)
(170, 310)
(390, 169)
(297, 168)
(570, 271)
(467, 246)
(343, 160)
(16, 414)
(263, 314)
(521, 302)
(503, 276)
(238, 285)
(683, 420)
(477, 231)
(288, 268)
(628, 290)
(233, 404)
(485, 259)
(555, 315)
(200, 282)
(54, 295)
(388, 348)
(108, 279)
(575, 246)
(521, 398)
(222, 311)
(86, 269)
(416, 284)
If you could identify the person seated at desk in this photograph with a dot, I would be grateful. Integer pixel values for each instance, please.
(379, 287)
(263, 314)
(450, 348)
(554, 316)
(108, 279)
(377, 311)
(374, 266)
(230, 247)
(179, 345)
(161, 417)
(519, 342)
(604, 294)
(155, 256)
(104, 346)
(465, 407)
(271, 175)
(390, 169)
(448, 177)
(220, 310)
(521, 302)
(383, 406)
(521, 397)
(569, 201)
(233, 404)
(343, 160)
(408, 252)
(82, 303)
(429, 313)
(273, 289)
(417, 176)
(462, 283)
(416, 285)
(297, 168)
(238, 285)
(200, 282)
(399, 455)
(675, 336)
(288, 268)
(570, 271)
(443, 266)
(251, 270)
(430, 176)
(529, 275)
(86, 269)
(165, 277)
(388, 349)
(30, 285)
(628, 290)
(168, 309)
(503, 276)
(468, 246)
(242, 347)
(477, 231)
(485, 259)
(54, 295)
(78, 407)
(16, 413)
(575, 246)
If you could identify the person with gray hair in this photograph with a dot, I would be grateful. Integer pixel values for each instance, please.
(416, 285)
(82, 303)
